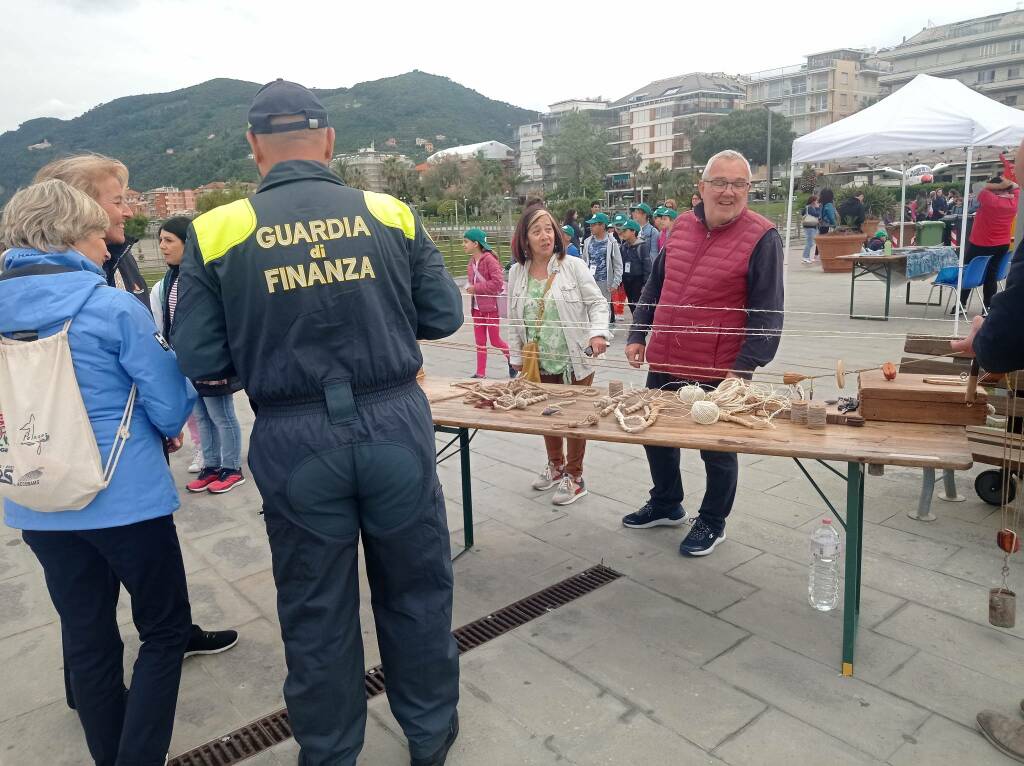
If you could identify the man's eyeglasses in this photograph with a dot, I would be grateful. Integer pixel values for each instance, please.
(719, 184)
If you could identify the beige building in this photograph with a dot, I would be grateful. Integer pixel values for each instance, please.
(827, 87)
(985, 53)
(661, 119)
(370, 164)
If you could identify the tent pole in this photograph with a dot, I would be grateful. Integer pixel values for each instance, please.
(788, 227)
(963, 238)
(903, 200)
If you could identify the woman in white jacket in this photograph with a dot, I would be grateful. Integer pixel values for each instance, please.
(573, 330)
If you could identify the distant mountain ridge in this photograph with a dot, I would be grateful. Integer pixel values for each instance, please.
(191, 136)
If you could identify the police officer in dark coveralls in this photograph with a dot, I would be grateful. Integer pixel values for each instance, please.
(315, 294)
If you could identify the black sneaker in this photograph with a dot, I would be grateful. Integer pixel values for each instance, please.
(439, 756)
(210, 641)
(648, 517)
(701, 540)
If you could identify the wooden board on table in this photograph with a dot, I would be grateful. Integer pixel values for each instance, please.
(931, 345)
(908, 399)
(879, 443)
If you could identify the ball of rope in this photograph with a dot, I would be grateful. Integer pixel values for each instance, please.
(691, 394)
(704, 412)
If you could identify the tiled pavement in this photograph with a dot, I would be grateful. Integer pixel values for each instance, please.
(682, 661)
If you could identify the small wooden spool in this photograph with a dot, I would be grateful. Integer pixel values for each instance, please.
(798, 412)
(816, 415)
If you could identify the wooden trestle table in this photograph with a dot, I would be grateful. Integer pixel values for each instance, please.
(875, 443)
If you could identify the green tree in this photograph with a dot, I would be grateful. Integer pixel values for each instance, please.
(633, 161)
(135, 227)
(655, 176)
(681, 186)
(808, 179)
(348, 173)
(443, 179)
(400, 180)
(213, 199)
(746, 131)
(577, 155)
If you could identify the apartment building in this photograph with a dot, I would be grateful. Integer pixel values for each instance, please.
(986, 53)
(827, 87)
(166, 201)
(532, 136)
(661, 119)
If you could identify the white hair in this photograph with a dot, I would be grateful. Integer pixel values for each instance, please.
(50, 217)
(725, 154)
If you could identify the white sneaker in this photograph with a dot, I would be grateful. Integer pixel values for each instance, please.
(197, 460)
(569, 490)
(548, 478)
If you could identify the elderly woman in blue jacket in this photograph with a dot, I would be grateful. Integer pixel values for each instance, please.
(126, 535)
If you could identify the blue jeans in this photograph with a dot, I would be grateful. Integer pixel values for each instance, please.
(811, 234)
(84, 571)
(722, 469)
(219, 432)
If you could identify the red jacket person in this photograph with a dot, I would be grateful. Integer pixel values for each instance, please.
(713, 310)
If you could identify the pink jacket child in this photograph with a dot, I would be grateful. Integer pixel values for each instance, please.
(485, 281)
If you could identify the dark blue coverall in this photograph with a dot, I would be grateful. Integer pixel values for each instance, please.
(315, 294)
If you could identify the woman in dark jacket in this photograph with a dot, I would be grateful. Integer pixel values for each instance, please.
(220, 434)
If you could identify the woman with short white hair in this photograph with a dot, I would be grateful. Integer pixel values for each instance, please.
(53, 282)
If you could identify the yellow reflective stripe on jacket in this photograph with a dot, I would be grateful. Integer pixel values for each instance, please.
(224, 227)
(391, 212)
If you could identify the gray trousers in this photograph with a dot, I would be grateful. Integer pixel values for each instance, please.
(330, 475)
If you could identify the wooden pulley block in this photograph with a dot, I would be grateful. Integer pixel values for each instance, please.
(792, 378)
(1008, 541)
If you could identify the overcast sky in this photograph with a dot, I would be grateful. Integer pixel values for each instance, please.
(61, 57)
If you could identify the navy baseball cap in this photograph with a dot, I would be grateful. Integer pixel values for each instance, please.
(281, 98)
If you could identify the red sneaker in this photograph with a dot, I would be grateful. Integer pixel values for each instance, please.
(229, 479)
(205, 478)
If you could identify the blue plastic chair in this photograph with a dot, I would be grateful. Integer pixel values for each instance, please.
(1004, 267)
(973, 279)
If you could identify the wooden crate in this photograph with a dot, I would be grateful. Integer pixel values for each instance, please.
(908, 399)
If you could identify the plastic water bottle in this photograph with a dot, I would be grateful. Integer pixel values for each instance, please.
(823, 584)
(887, 247)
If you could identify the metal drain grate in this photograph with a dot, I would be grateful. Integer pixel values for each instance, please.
(273, 729)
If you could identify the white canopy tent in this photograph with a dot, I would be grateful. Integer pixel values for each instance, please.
(926, 116)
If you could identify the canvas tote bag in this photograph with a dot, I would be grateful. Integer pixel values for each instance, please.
(49, 459)
(531, 351)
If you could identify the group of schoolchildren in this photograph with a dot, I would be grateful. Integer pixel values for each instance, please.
(619, 251)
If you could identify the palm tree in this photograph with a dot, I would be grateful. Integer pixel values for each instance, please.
(633, 162)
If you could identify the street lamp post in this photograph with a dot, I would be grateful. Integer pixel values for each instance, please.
(768, 159)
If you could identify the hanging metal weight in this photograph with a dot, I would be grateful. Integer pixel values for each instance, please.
(1002, 608)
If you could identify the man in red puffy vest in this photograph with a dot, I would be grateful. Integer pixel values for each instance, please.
(713, 307)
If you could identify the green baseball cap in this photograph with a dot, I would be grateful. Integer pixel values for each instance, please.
(569, 230)
(642, 207)
(632, 225)
(670, 213)
(619, 218)
(600, 218)
(477, 235)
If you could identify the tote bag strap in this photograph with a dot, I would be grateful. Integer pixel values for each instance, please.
(120, 438)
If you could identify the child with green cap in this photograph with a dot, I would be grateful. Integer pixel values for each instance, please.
(485, 281)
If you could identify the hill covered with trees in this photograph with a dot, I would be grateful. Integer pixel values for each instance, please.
(191, 136)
